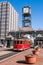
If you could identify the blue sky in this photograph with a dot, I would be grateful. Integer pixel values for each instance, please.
(36, 11)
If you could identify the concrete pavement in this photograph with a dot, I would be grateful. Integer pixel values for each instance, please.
(19, 59)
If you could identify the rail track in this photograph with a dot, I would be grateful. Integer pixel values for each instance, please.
(8, 54)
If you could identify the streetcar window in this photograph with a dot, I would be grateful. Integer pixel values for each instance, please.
(17, 42)
(20, 42)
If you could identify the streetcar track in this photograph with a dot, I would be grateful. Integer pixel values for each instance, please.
(8, 54)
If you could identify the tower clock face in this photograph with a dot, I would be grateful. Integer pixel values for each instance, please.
(25, 10)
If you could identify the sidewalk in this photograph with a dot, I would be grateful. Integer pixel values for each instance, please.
(3, 48)
(20, 59)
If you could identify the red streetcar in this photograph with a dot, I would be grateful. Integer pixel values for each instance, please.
(21, 44)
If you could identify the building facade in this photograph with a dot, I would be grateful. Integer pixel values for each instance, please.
(8, 19)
